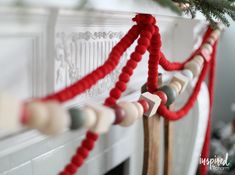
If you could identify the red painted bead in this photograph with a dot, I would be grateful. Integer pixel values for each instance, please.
(146, 34)
(137, 55)
(119, 114)
(162, 95)
(65, 173)
(89, 144)
(140, 49)
(151, 28)
(92, 135)
(121, 85)
(124, 77)
(132, 64)
(145, 105)
(110, 101)
(116, 93)
(144, 41)
(127, 70)
(71, 168)
(77, 160)
(83, 152)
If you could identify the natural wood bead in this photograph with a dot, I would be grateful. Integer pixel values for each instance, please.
(208, 48)
(188, 73)
(153, 100)
(58, 121)
(90, 117)
(131, 113)
(77, 118)
(182, 80)
(199, 59)
(10, 112)
(194, 67)
(140, 109)
(38, 115)
(211, 41)
(176, 86)
(171, 94)
(105, 118)
(215, 34)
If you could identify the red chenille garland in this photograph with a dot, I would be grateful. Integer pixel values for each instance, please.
(149, 40)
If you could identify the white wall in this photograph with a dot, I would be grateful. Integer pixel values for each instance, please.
(225, 81)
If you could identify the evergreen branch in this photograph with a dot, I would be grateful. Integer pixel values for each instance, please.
(213, 10)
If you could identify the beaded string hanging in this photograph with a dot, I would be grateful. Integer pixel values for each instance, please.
(48, 116)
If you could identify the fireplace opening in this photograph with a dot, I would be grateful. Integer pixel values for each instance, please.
(121, 169)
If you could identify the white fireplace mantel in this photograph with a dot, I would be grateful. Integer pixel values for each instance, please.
(40, 43)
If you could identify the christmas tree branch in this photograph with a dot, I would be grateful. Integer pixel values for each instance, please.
(214, 10)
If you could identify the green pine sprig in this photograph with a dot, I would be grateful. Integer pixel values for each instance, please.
(214, 10)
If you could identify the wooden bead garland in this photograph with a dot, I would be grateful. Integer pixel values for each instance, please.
(105, 118)
(171, 94)
(10, 110)
(38, 115)
(90, 117)
(59, 119)
(182, 80)
(199, 59)
(131, 113)
(119, 114)
(176, 86)
(207, 47)
(77, 118)
(188, 73)
(194, 67)
(140, 109)
(153, 100)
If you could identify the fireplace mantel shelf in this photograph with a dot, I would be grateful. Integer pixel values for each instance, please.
(130, 6)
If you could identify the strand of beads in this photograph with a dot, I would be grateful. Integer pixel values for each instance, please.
(49, 117)
(146, 24)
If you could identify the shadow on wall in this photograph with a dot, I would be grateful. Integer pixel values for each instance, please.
(225, 81)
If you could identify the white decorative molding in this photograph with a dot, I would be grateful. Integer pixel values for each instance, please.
(78, 53)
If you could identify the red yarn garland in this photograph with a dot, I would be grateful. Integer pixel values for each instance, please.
(211, 83)
(149, 39)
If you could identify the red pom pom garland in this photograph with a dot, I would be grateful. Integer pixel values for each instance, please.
(149, 40)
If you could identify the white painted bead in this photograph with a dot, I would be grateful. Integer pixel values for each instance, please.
(183, 80)
(176, 86)
(131, 113)
(153, 100)
(140, 109)
(207, 48)
(105, 117)
(10, 112)
(194, 67)
(37, 115)
(199, 59)
(59, 119)
(188, 73)
(90, 117)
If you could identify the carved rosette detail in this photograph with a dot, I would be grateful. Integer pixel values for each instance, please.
(78, 53)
